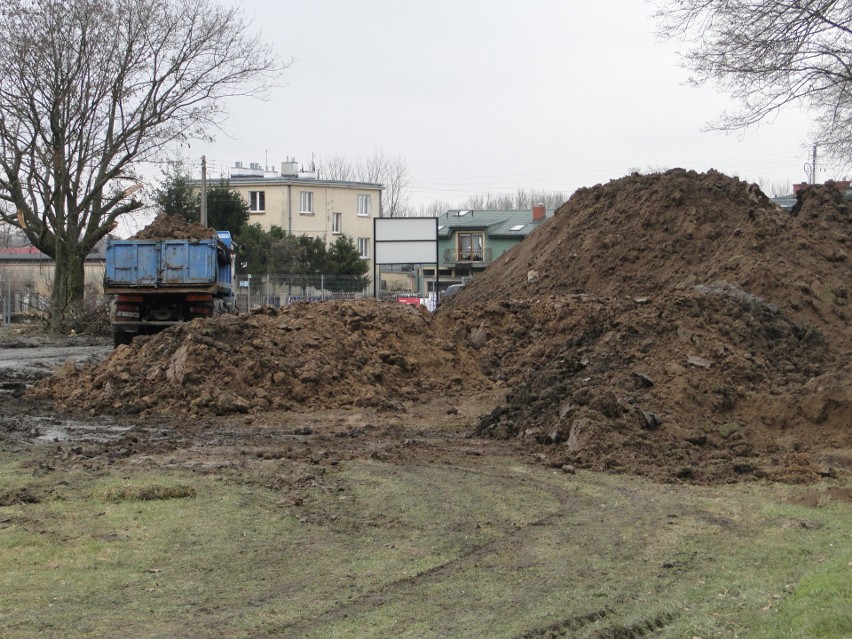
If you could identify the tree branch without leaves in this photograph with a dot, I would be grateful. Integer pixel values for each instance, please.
(770, 54)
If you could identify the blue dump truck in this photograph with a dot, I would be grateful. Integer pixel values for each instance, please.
(158, 283)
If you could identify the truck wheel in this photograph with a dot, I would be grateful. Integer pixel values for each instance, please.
(121, 337)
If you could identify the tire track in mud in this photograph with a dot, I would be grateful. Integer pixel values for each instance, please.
(405, 588)
(617, 631)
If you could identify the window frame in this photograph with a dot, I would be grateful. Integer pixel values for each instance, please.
(472, 253)
(367, 209)
(336, 223)
(257, 201)
(365, 250)
(309, 196)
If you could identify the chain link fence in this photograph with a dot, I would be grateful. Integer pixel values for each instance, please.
(25, 291)
(254, 291)
(25, 294)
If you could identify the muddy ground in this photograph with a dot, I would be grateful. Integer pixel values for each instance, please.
(549, 549)
(443, 429)
(233, 444)
(678, 326)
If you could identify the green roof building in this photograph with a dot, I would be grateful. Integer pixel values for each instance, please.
(469, 240)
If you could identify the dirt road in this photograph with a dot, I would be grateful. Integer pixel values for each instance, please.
(28, 358)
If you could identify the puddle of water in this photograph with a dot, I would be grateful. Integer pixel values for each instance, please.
(77, 431)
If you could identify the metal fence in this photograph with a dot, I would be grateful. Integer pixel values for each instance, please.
(25, 289)
(253, 291)
(25, 292)
(21, 294)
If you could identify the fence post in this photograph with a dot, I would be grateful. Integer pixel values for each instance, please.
(7, 301)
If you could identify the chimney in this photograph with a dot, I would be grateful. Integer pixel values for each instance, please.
(289, 166)
(539, 212)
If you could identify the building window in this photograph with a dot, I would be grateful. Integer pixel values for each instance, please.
(364, 247)
(364, 205)
(470, 247)
(306, 202)
(257, 201)
(337, 223)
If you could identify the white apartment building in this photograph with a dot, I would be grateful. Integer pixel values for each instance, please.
(302, 204)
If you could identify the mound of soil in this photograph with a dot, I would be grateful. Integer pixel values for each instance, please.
(320, 355)
(643, 234)
(174, 227)
(676, 325)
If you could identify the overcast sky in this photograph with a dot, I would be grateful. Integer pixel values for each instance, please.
(482, 96)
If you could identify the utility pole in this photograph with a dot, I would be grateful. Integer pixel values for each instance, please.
(203, 190)
(813, 167)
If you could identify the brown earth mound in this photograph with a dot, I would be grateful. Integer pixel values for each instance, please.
(174, 227)
(676, 325)
(327, 355)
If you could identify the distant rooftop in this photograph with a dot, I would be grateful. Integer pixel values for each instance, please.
(290, 173)
(32, 254)
(511, 223)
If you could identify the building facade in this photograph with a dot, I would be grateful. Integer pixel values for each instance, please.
(26, 279)
(469, 241)
(302, 204)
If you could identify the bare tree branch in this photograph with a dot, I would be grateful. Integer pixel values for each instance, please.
(770, 54)
(377, 168)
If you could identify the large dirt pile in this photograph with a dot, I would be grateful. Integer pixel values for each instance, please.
(326, 355)
(174, 227)
(648, 233)
(676, 325)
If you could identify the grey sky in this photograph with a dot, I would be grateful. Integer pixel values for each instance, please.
(482, 96)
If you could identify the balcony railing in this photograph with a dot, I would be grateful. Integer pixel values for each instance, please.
(478, 256)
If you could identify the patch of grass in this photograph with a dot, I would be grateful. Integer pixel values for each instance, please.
(819, 607)
(496, 549)
(147, 492)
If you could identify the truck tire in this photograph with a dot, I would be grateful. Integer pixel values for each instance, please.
(121, 337)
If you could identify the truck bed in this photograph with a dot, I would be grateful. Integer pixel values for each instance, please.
(169, 264)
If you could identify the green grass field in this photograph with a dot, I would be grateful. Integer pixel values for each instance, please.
(491, 549)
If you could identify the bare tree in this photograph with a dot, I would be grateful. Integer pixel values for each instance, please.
(775, 188)
(91, 88)
(336, 167)
(377, 168)
(433, 209)
(770, 54)
(395, 178)
(521, 199)
(5, 235)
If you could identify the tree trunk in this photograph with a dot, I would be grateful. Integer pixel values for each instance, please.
(68, 285)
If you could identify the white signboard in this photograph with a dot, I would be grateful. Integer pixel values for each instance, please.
(406, 240)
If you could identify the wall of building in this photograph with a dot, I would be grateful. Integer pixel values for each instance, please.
(500, 245)
(282, 208)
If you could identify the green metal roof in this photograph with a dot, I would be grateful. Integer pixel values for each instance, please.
(517, 223)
